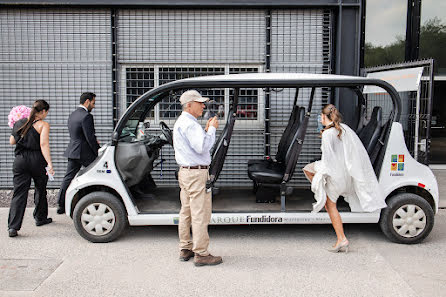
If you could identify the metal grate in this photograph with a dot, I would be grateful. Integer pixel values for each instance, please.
(170, 108)
(138, 81)
(416, 124)
(54, 54)
(300, 42)
(248, 102)
(191, 36)
(181, 43)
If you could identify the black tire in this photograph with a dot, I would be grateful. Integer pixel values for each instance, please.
(114, 207)
(400, 202)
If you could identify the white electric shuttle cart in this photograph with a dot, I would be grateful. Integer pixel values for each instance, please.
(117, 189)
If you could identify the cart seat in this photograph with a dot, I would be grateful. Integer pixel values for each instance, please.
(270, 172)
(369, 135)
(267, 172)
(294, 121)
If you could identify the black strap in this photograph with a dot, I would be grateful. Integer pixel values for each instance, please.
(380, 144)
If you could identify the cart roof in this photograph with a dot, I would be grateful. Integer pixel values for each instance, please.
(261, 80)
(268, 77)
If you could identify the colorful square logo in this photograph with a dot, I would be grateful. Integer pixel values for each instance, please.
(394, 158)
(393, 166)
(176, 221)
(401, 167)
(400, 158)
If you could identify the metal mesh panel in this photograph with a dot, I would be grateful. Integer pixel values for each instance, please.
(178, 36)
(248, 100)
(415, 124)
(54, 54)
(138, 81)
(300, 42)
(170, 108)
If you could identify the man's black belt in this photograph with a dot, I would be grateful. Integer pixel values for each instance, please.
(196, 167)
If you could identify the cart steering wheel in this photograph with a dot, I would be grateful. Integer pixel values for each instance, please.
(167, 133)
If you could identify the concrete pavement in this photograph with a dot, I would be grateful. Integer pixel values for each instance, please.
(258, 261)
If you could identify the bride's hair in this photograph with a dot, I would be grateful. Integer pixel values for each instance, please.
(333, 115)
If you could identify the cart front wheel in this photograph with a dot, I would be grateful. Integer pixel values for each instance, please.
(100, 217)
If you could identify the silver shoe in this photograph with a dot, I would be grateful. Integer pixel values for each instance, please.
(340, 247)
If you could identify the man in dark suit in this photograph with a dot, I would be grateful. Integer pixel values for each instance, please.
(83, 146)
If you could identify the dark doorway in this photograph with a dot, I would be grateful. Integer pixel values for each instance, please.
(438, 125)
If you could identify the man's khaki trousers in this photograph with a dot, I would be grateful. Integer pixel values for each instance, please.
(196, 210)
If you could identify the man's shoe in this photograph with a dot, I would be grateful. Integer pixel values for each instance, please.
(60, 210)
(185, 255)
(207, 260)
(44, 222)
(12, 232)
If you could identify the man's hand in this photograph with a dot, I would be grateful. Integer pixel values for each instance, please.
(207, 124)
(214, 122)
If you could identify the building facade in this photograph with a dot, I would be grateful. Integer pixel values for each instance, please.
(55, 51)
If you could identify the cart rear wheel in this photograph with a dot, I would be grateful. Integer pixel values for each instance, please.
(408, 218)
(100, 217)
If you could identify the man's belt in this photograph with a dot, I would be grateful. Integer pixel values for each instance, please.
(196, 167)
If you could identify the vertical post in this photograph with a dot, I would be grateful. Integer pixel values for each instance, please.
(267, 138)
(417, 123)
(362, 36)
(114, 57)
(429, 110)
(412, 46)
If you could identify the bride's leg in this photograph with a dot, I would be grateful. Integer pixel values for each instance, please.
(309, 175)
(336, 220)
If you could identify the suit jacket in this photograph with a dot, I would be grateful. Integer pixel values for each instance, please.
(83, 144)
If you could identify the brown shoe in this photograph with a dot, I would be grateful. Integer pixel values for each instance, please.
(185, 255)
(207, 260)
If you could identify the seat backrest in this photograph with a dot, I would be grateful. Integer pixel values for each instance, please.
(220, 148)
(288, 128)
(291, 129)
(369, 135)
(295, 147)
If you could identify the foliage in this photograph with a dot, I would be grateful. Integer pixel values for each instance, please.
(432, 45)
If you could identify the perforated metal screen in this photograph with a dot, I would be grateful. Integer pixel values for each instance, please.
(54, 54)
(177, 44)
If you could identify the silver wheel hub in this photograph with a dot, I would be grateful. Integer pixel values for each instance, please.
(98, 219)
(409, 220)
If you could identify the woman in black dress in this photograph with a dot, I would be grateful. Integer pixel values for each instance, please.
(32, 155)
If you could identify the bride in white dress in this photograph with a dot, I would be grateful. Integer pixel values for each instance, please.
(344, 170)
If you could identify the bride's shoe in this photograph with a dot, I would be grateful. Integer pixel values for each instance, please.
(343, 245)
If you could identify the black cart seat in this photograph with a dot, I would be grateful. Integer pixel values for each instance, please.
(369, 135)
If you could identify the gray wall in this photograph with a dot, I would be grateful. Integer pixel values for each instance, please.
(58, 53)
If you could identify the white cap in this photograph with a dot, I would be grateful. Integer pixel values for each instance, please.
(192, 95)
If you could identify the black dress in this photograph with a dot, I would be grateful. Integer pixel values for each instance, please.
(28, 163)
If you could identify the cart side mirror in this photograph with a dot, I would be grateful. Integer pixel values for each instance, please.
(115, 138)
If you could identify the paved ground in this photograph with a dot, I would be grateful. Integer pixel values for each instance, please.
(440, 174)
(258, 261)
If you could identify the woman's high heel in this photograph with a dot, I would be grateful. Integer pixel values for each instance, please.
(342, 246)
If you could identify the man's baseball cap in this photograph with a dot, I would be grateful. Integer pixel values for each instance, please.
(192, 95)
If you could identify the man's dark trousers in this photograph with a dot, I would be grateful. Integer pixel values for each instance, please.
(73, 168)
(81, 151)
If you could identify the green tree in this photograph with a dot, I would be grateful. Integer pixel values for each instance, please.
(432, 45)
(433, 42)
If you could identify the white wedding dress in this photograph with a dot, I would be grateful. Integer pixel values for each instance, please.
(345, 170)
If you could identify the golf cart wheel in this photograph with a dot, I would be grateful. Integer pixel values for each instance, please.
(408, 218)
(100, 217)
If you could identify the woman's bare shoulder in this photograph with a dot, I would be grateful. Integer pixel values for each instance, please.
(40, 125)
